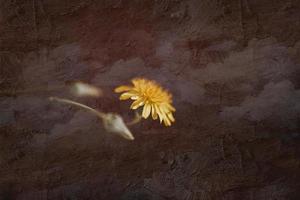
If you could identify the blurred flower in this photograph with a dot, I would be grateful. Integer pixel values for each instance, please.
(147, 93)
(83, 89)
(114, 123)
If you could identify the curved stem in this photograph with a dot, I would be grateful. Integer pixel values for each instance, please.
(136, 119)
(67, 101)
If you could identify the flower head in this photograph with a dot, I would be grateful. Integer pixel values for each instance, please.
(147, 93)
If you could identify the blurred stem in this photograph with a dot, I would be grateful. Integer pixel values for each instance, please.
(137, 119)
(67, 101)
(102, 115)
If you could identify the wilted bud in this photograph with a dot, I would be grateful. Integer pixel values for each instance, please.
(83, 89)
(114, 123)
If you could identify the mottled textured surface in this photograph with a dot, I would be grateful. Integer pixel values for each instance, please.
(233, 69)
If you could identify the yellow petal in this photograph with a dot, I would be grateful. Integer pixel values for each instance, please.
(164, 113)
(167, 122)
(134, 97)
(154, 112)
(170, 107)
(122, 88)
(143, 87)
(160, 113)
(138, 83)
(127, 95)
(146, 110)
(139, 102)
(164, 108)
(171, 117)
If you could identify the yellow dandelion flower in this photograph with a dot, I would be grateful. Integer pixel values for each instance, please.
(147, 93)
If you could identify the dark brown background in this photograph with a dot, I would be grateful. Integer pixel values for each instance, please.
(232, 66)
